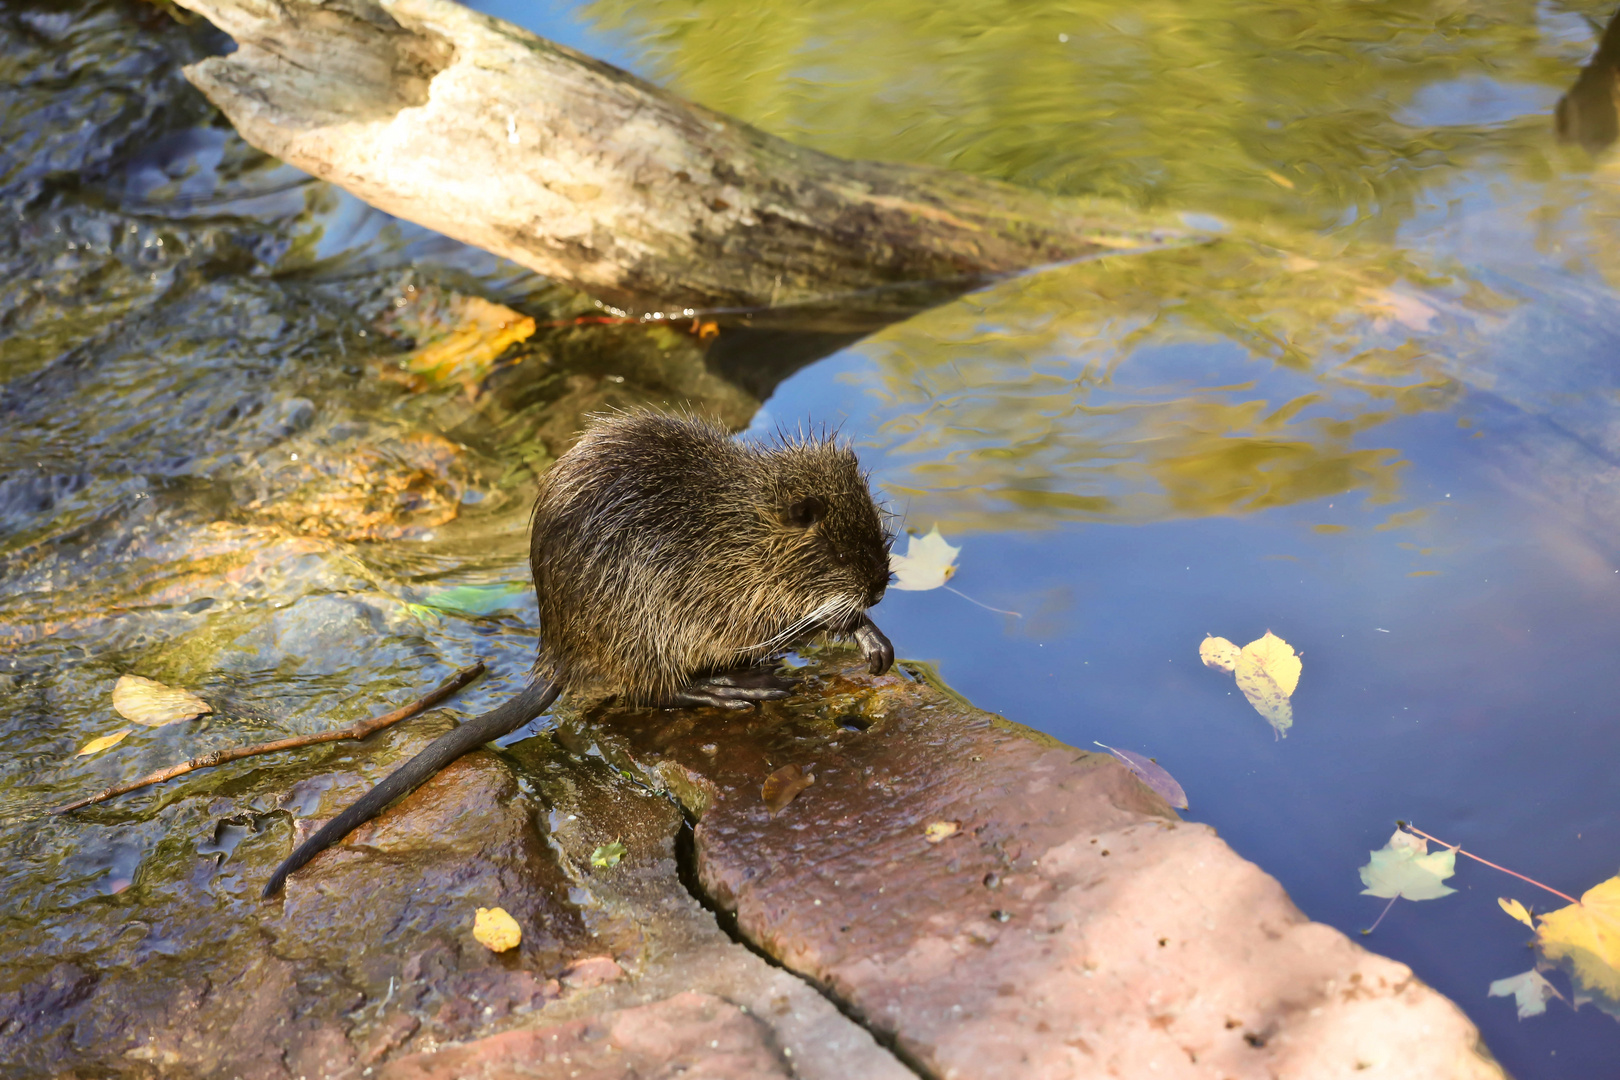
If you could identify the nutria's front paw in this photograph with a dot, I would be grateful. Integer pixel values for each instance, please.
(732, 689)
(875, 646)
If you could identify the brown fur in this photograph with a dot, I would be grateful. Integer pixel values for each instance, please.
(663, 549)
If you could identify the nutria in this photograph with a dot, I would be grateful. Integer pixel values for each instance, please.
(670, 561)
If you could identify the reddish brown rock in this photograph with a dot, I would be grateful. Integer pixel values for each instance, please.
(688, 1035)
(1057, 920)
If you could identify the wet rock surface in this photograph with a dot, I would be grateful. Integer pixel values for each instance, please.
(999, 904)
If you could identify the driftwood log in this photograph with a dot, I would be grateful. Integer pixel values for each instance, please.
(486, 133)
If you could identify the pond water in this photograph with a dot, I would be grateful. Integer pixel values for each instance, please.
(1380, 417)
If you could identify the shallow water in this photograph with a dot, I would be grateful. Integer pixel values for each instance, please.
(1377, 417)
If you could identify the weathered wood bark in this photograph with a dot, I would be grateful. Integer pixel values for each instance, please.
(484, 132)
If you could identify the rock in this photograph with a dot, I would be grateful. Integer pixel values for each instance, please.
(689, 1034)
(1069, 925)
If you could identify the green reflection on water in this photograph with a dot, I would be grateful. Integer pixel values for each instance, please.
(1318, 131)
(1176, 102)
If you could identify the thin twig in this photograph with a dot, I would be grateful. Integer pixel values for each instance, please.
(1381, 915)
(1409, 827)
(357, 730)
(987, 607)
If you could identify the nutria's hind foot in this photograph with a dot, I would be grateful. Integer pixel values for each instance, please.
(737, 689)
(875, 647)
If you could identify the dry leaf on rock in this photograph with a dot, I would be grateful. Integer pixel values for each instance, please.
(1585, 939)
(783, 786)
(1517, 910)
(153, 704)
(1152, 774)
(1529, 991)
(96, 746)
(928, 563)
(495, 930)
(1218, 653)
(1404, 867)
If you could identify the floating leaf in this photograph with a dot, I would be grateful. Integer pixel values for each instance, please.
(1404, 867)
(783, 786)
(1267, 673)
(96, 746)
(1152, 774)
(495, 930)
(1585, 939)
(608, 854)
(940, 830)
(1517, 910)
(153, 704)
(928, 563)
(1529, 990)
(1218, 653)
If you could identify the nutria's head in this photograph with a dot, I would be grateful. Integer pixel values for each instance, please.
(821, 532)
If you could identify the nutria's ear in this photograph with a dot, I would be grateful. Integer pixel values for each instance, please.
(805, 512)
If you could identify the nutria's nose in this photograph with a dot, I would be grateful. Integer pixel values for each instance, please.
(874, 595)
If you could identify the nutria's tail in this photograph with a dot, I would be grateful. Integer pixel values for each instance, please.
(529, 703)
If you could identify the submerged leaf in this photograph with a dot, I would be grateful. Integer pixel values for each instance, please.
(940, 830)
(153, 704)
(495, 930)
(1267, 673)
(1404, 867)
(458, 337)
(1152, 774)
(928, 563)
(1585, 939)
(608, 854)
(1218, 653)
(1529, 990)
(1517, 910)
(96, 746)
(783, 786)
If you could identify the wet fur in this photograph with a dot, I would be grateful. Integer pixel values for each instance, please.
(664, 549)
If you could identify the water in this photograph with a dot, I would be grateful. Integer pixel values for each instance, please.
(1378, 417)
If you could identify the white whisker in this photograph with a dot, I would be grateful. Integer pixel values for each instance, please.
(835, 606)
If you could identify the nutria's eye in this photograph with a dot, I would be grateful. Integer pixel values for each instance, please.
(805, 512)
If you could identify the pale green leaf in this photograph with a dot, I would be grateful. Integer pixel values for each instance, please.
(1529, 991)
(1404, 867)
(928, 563)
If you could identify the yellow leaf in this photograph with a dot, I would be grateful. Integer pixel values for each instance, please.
(783, 786)
(153, 704)
(1517, 910)
(1218, 653)
(458, 337)
(1585, 939)
(1277, 657)
(96, 746)
(940, 830)
(497, 931)
(1267, 672)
